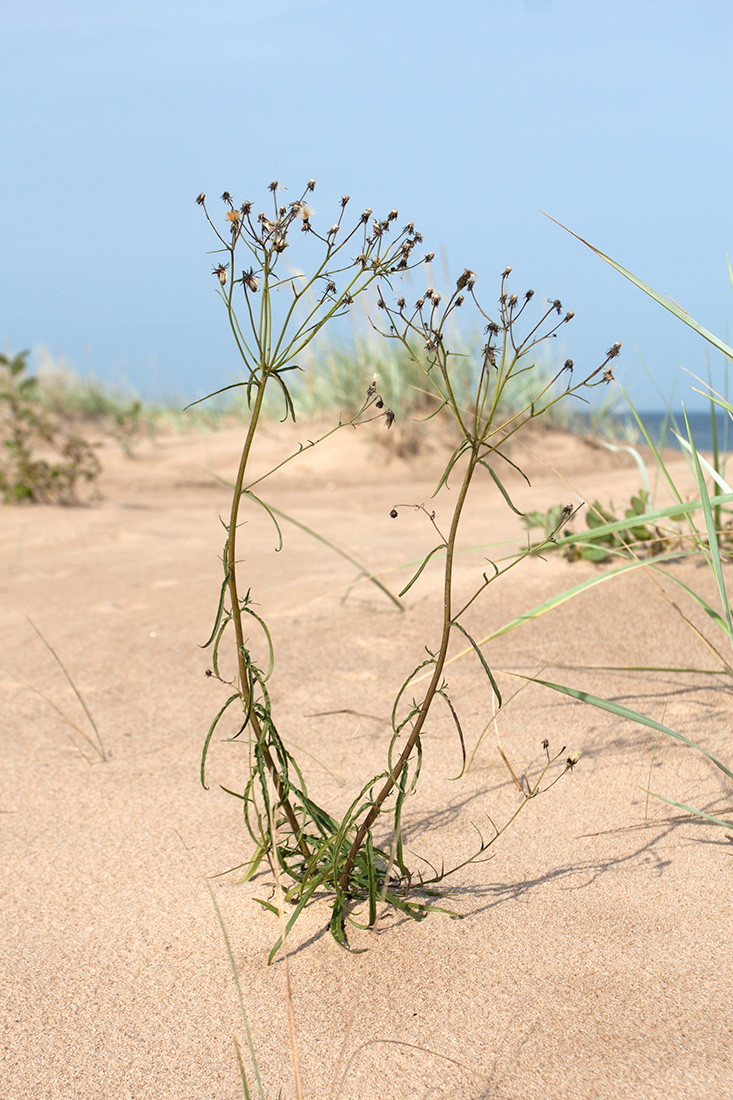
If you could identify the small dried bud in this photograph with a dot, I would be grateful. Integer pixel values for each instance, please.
(246, 207)
(460, 300)
(333, 231)
(201, 199)
(569, 315)
(470, 284)
(361, 259)
(529, 295)
(366, 215)
(419, 303)
(614, 350)
(372, 386)
(417, 237)
(572, 760)
(283, 211)
(608, 376)
(463, 279)
(389, 417)
(436, 298)
(392, 216)
(226, 197)
(344, 200)
(379, 402)
(568, 365)
(506, 272)
(281, 244)
(347, 299)
(273, 186)
(545, 744)
(409, 228)
(393, 513)
(381, 304)
(208, 672)
(430, 257)
(513, 301)
(493, 328)
(220, 270)
(429, 294)
(311, 185)
(305, 225)
(331, 288)
(557, 306)
(400, 304)
(248, 278)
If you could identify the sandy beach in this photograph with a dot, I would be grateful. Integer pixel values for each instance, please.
(589, 959)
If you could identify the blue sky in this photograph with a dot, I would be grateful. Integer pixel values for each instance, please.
(469, 117)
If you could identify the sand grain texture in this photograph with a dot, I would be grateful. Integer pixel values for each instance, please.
(593, 958)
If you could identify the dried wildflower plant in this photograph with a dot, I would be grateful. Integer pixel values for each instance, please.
(311, 849)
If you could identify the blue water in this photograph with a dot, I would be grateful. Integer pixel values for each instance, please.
(659, 427)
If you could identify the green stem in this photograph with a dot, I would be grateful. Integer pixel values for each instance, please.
(435, 680)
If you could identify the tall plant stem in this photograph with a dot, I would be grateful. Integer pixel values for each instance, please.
(231, 565)
(412, 740)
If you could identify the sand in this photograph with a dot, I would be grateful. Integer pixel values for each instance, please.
(590, 958)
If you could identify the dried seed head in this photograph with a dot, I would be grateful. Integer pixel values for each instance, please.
(226, 197)
(460, 300)
(389, 417)
(409, 228)
(344, 200)
(220, 270)
(333, 231)
(281, 244)
(393, 513)
(331, 288)
(273, 186)
(430, 257)
(283, 211)
(529, 294)
(400, 304)
(419, 303)
(347, 299)
(429, 294)
(568, 365)
(545, 744)
(572, 760)
(201, 199)
(233, 216)
(311, 185)
(392, 216)
(506, 272)
(614, 350)
(366, 215)
(249, 280)
(361, 259)
(493, 328)
(463, 279)
(608, 376)
(436, 298)
(513, 300)
(569, 315)
(246, 208)
(379, 402)
(557, 306)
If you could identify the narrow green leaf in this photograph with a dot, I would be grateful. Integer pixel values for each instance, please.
(625, 712)
(481, 658)
(692, 810)
(212, 727)
(425, 561)
(501, 488)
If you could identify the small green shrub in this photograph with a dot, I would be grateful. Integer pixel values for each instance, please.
(40, 462)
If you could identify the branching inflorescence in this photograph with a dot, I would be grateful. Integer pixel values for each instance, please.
(313, 849)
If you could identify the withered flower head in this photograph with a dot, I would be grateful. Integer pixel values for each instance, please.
(463, 279)
(614, 350)
(331, 288)
(429, 294)
(373, 385)
(246, 207)
(233, 216)
(568, 365)
(608, 376)
(529, 294)
(409, 228)
(389, 417)
(201, 199)
(557, 305)
(226, 197)
(344, 199)
(513, 300)
(436, 298)
(347, 299)
(569, 315)
(281, 244)
(572, 760)
(248, 278)
(333, 231)
(311, 185)
(305, 212)
(379, 402)
(460, 300)
(419, 303)
(506, 272)
(283, 211)
(430, 257)
(361, 259)
(221, 271)
(545, 744)
(493, 328)
(366, 215)
(392, 216)
(393, 513)
(273, 186)
(400, 304)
